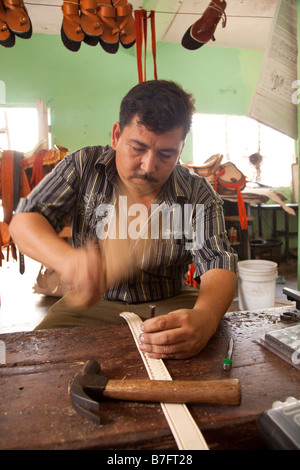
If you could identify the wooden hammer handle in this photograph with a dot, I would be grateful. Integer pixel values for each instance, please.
(217, 392)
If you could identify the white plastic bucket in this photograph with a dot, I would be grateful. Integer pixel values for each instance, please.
(256, 284)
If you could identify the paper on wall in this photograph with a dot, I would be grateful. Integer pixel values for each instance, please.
(272, 103)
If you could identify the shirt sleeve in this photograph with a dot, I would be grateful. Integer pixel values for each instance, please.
(212, 250)
(54, 197)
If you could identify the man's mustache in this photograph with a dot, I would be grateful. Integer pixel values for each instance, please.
(144, 177)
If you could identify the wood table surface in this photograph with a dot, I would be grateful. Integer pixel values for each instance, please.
(36, 412)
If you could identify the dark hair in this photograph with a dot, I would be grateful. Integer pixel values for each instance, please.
(160, 106)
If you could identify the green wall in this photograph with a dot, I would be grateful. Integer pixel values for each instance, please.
(84, 89)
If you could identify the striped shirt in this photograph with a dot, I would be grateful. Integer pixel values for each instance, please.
(85, 183)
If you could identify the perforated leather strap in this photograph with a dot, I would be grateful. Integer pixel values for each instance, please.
(184, 429)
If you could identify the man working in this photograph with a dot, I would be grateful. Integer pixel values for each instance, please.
(141, 167)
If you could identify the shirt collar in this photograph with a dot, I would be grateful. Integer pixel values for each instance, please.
(107, 159)
(174, 189)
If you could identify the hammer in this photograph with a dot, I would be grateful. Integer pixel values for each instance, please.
(89, 387)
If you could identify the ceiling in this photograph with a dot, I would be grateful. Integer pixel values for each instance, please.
(248, 21)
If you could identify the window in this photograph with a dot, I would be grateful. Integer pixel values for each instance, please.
(22, 128)
(239, 137)
(18, 129)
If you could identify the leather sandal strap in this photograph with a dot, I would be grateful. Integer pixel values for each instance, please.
(14, 3)
(107, 11)
(71, 14)
(70, 8)
(93, 16)
(107, 15)
(89, 8)
(88, 5)
(124, 10)
(3, 26)
(18, 7)
(123, 24)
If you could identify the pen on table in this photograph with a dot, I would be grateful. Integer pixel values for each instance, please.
(227, 363)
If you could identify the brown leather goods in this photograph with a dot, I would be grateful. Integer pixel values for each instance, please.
(109, 39)
(230, 179)
(5, 241)
(141, 18)
(208, 168)
(203, 29)
(17, 18)
(42, 162)
(125, 23)
(90, 21)
(14, 184)
(71, 32)
(7, 37)
(11, 163)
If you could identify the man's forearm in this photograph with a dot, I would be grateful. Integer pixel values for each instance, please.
(36, 238)
(216, 293)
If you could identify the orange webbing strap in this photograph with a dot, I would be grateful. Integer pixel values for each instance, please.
(217, 176)
(240, 201)
(242, 209)
(138, 43)
(153, 35)
(190, 276)
(37, 169)
(141, 36)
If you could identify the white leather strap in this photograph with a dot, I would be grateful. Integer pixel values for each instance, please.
(184, 429)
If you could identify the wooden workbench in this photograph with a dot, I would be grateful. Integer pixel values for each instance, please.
(35, 408)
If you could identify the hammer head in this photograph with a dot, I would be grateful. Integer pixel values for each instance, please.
(86, 390)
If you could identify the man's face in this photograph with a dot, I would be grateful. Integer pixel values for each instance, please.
(145, 160)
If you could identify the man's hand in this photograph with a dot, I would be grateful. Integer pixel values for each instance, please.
(178, 335)
(183, 333)
(82, 272)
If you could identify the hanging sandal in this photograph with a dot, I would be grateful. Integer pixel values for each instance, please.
(71, 31)
(125, 23)
(7, 37)
(203, 30)
(89, 20)
(17, 18)
(109, 40)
